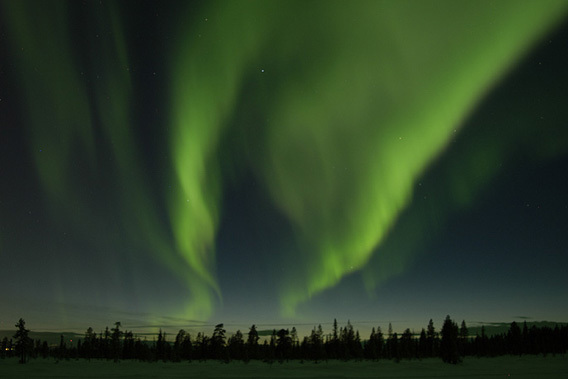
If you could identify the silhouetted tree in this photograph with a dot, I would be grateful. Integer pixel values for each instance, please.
(128, 345)
(295, 342)
(252, 343)
(407, 345)
(176, 351)
(373, 346)
(218, 343)
(316, 344)
(449, 343)
(269, 350)
(432, 339)
(4, 348)
(526, 341)
(162, 347)
(24, 343)
(334, 343)
(463, 339)
(349, 348)
(182, 346)
(481, 343)
(422, 344)
(115, 341)
(62, 351)
(283, 345)
(142, 351)
(104, 344)
(202, 344)
(514, 339)
(454, 344)
(89, 345)
(357, 349)
(236, 345)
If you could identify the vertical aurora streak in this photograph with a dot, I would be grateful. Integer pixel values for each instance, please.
(52, 86)
(207, 71)
(73, 100)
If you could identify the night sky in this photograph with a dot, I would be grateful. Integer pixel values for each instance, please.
(179, 164)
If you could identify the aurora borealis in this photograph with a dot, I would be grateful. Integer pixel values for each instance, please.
(282, 161)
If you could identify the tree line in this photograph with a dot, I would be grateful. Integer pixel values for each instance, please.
(451, 344)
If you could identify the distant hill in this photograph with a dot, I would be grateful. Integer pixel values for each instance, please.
(493, 328)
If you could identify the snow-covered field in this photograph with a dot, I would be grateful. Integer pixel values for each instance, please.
(502, 367)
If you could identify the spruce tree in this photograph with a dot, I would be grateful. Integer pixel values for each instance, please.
(23, 342)
(283, 345)
(252, 343)
(115, 341)
(218, 343)
(235, 345)
(449, 344)
(463, 339)
(432, 339)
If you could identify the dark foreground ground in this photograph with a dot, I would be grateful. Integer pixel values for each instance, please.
(528, 367)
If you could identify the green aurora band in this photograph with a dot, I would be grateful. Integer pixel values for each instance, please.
(72, 97)
(373, 94)
(358, 99)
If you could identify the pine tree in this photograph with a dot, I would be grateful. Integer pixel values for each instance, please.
(218, 343)
(295, 342)
(283, 345)
(370, 347)
(406, 345)
(394, 350)
(186, 348)
(235, 345)
(89, 344)
(357, 348)
(270, 349)
(348, 341)
(463, 338)
(380, 342)
(333, 350)
(252, 343)
(422, 345)
(432, 339)
(449, 344)
(62, 347)
(514, 339)
(23, 342)
(178, 345)
(128, 345)
(104, 343)
(316, 344)
(483, 343)
(525, 337)
(161, 347)
(115, 341)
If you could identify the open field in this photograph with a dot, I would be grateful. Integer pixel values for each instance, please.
(501, 367)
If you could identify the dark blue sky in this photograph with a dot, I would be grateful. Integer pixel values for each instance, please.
(97, 151)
